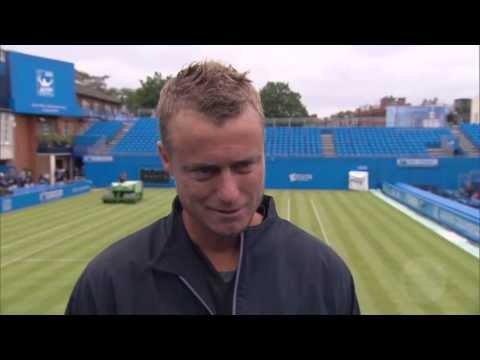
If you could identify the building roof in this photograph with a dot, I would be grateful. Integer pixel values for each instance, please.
(96, 94)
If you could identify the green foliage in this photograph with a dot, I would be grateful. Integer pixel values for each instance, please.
(53, 139)
(149, 92)
(278, 100)
(146, 96)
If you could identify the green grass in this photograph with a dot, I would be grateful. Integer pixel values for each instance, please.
(399, 266)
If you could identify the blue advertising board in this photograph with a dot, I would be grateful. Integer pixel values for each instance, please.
(41, 194)
(463, 219)
(42, 86)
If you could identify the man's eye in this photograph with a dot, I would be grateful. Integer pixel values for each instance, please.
(203, 173)
(244, 167)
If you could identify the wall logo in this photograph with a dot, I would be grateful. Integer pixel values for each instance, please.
(81, 189)
(95, 158)
(6, 205)
(45, 81)
(51, 195)
(300, 177)
(417, 162)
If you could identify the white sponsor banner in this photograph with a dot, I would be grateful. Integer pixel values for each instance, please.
(96, 158)
(300, 177)
(417, 162)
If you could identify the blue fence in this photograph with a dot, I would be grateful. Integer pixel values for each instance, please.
(40, 194)
(332, 173)
(103, 170)
(319, 173)
(460, 218)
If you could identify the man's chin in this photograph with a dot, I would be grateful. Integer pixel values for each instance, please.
(228, 231)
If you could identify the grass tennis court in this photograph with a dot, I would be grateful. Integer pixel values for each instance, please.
(399, 266)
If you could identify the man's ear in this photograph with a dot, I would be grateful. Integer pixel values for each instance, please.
(165, 157)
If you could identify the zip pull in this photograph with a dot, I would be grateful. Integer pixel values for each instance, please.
(185, 282)
(237, 275)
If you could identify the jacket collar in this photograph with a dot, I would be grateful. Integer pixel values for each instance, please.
(178, 253)
(178, 256)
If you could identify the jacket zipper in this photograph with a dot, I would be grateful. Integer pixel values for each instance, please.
(237, 276)
(196, 294)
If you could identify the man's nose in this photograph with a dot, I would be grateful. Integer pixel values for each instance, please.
(227, 187)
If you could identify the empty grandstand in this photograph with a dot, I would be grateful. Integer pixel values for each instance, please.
(472, 132)
(293, 141)
(307, 142)
(142, 138)
(297, 142)
(99, 130)
(389, 141)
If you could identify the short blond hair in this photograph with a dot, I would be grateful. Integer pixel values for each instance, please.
(218, 91)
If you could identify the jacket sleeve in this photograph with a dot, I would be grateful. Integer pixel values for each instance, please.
(354, 307)
(343, 287)
(91, 295)
(81, 300)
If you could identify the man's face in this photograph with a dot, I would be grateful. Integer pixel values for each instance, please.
(219, 171)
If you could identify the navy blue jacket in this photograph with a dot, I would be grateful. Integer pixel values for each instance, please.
(282, 270)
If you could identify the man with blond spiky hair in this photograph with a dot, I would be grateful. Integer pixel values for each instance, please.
(223, 249)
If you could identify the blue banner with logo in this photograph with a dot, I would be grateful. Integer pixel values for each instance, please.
(40, 194)
(42, 86)
(461, 218)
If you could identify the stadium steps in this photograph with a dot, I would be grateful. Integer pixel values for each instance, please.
(125, 129)
(465, 143)
(328, 145)
(438, 152)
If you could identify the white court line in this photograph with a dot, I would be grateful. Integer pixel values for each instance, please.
(449, 235)
(318, 219)
(50, 229)
(68, 225)
(21, 258)
(288, 208)
(72, 235)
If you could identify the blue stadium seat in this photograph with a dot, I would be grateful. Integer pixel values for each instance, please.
(141, 138)
(388, 141)
(293, 142)
(100, 129)
(472, 132)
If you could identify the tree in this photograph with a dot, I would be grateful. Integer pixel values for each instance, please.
(343, 115)
(279, 101)
(127, 97)
(149, 92)
(430, 102)
(144, 97)
(91, 81)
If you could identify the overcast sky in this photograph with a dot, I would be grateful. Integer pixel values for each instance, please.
(329, 78)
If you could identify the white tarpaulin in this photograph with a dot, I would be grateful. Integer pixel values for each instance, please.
(358, 180)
